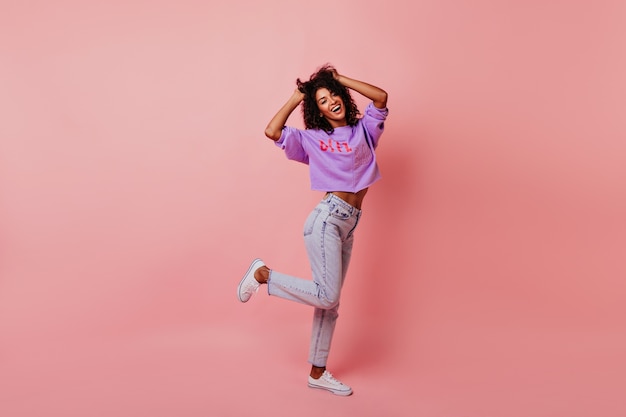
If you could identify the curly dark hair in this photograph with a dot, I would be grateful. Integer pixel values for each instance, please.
(323, 78)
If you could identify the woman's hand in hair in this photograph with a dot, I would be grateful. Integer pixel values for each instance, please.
(336, 75)
(299, 95)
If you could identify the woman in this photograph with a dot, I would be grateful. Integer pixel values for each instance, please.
(339, 148)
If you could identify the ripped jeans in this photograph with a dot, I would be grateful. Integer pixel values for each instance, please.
(328, 235)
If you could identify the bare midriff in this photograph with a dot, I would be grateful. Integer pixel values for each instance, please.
(354, 199)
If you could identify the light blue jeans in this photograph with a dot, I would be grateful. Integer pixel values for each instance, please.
(328, 235)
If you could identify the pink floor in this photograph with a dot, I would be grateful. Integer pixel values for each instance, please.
(239, 360)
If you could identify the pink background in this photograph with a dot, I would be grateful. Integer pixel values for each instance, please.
(136, 186)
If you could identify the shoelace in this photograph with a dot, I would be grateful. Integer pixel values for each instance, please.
(329, 377)
(251, 286)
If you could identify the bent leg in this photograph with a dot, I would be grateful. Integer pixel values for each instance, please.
(323, 237)
(324, 248)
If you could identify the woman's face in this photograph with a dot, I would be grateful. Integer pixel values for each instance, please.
(331, 107)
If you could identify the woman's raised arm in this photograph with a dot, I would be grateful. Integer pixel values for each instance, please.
(376, 94)
(275, 126)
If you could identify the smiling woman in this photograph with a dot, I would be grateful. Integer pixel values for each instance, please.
(339, 148)
(331, 107)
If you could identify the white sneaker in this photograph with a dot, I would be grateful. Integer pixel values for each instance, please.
(249, 285)
(328, 382)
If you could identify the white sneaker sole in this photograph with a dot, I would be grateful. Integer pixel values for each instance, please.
(334, 391)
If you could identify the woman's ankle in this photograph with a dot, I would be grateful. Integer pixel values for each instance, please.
(316, 371)
(262, 274)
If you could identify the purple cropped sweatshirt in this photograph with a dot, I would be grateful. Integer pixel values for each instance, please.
(342, 161)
